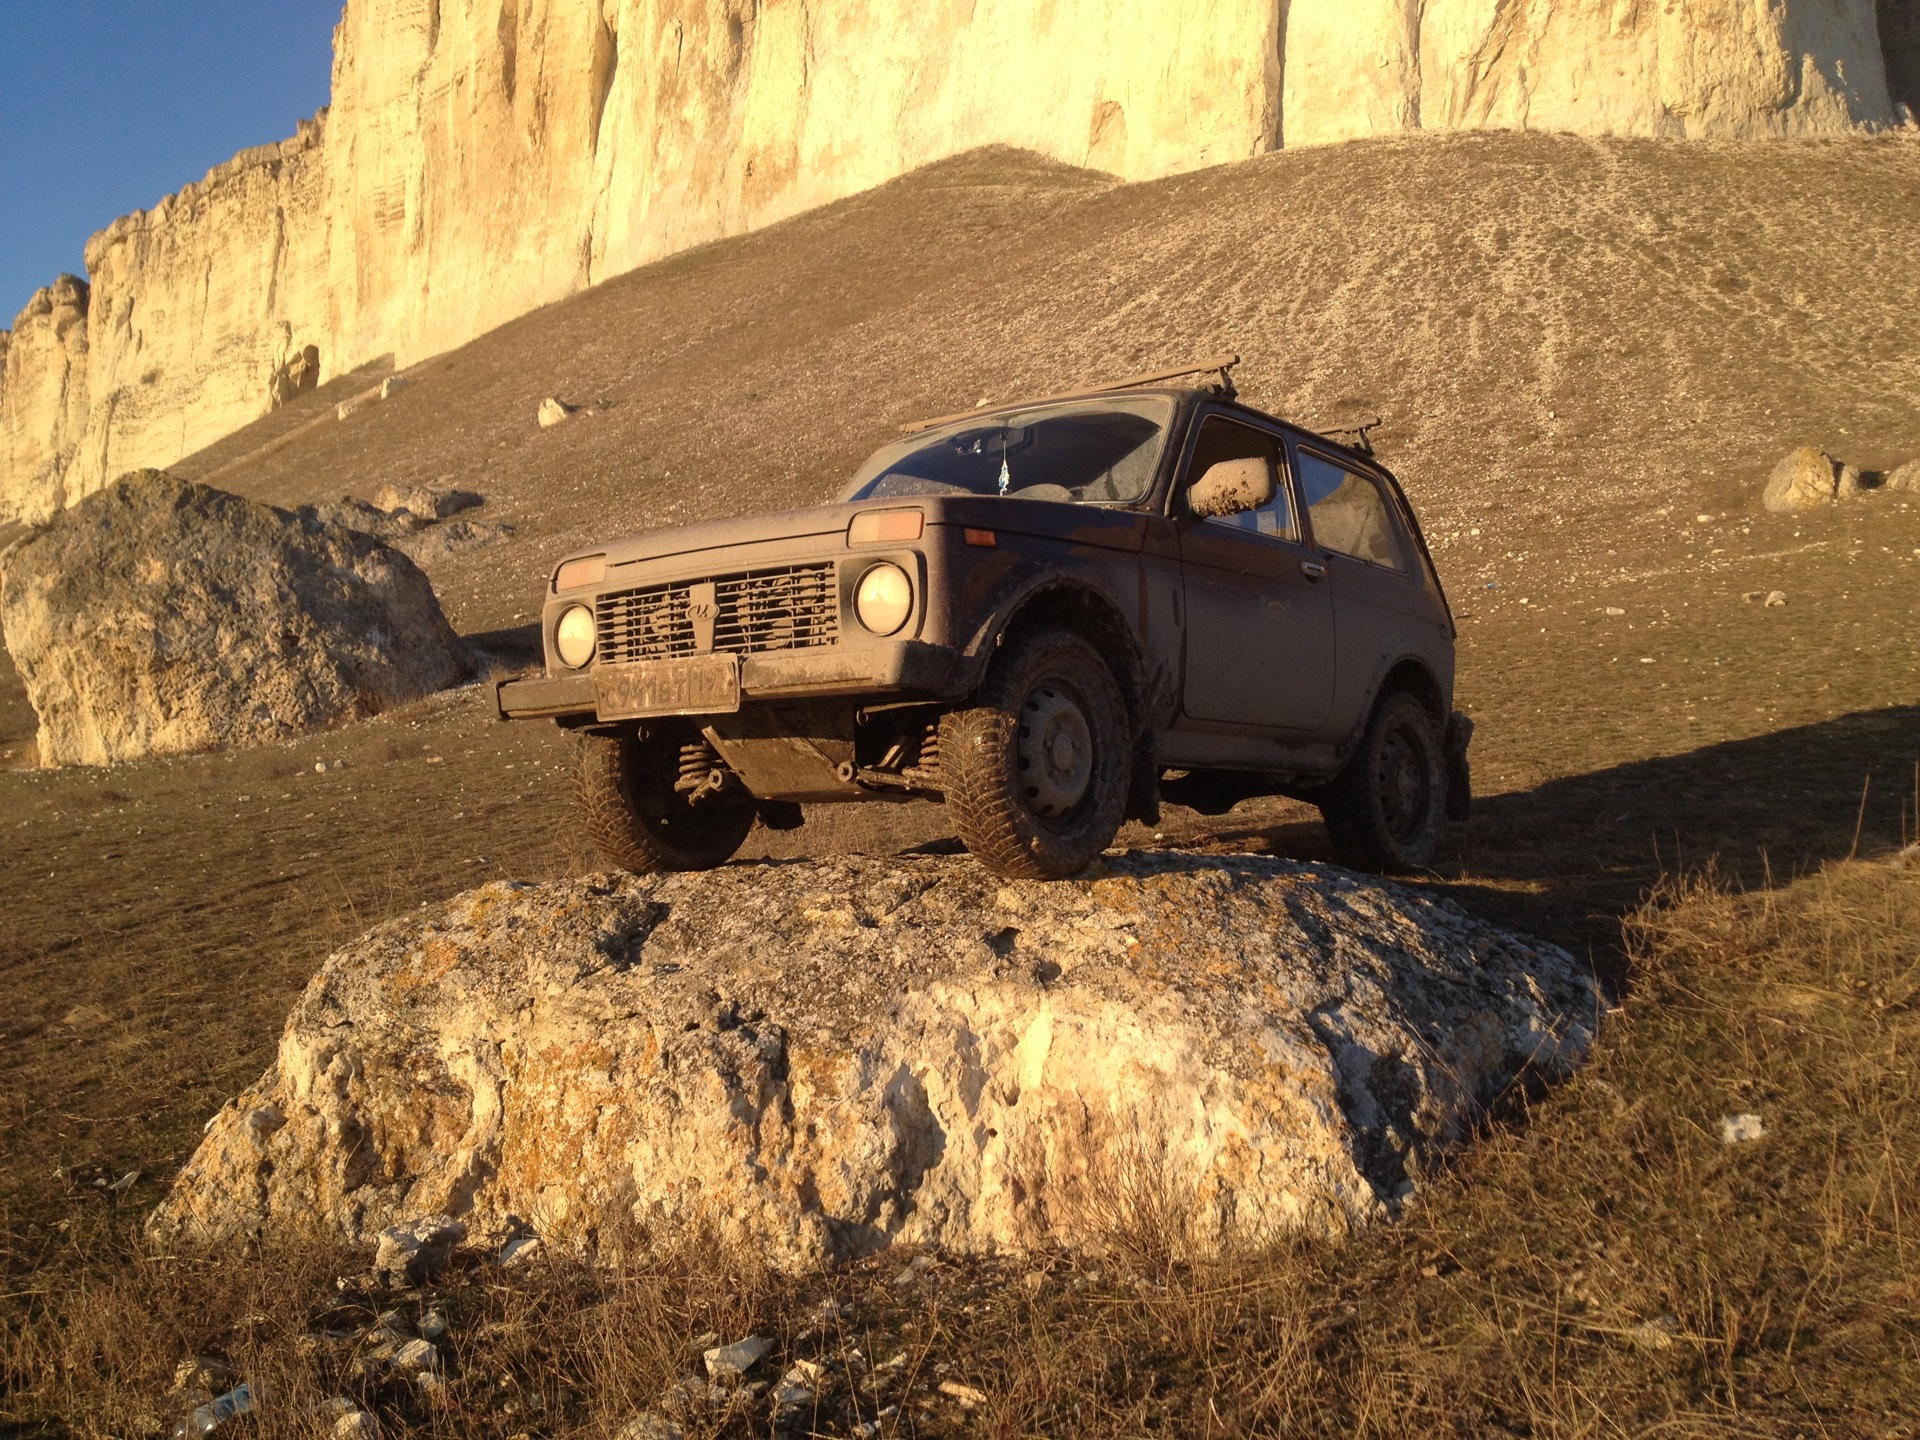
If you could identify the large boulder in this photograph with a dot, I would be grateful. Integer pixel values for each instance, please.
(820, 1059)
(160, 616)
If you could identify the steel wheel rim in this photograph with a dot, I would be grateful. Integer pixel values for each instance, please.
(1053, 752)
(1404, 786)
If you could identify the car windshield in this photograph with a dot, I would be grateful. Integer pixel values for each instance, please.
(1101, 452)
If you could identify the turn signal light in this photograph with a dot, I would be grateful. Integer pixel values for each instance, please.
(885, 527)
(588, 570)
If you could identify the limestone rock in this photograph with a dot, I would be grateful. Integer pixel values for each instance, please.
(161, 616)
(415, 533)
(592, 136)
(413, 1253)
(821, 1059)
(1904, 479)
(1715, 68)
(295, 376)
(43, 400)
(428, 502)
(1805, 479)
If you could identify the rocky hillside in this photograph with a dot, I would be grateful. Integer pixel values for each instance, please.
(478, 162)
(1586, 341)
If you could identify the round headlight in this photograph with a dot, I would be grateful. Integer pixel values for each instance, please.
(573, 636)
(884, 599)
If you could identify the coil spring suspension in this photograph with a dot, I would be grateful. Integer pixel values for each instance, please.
(700, 771)
(928, 762)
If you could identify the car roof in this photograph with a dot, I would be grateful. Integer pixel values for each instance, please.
(1185, 395)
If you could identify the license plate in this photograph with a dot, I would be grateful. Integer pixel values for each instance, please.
(693, 685)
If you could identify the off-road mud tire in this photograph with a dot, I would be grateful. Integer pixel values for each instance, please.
(1387, 809)
(991, 800)
(634, 816)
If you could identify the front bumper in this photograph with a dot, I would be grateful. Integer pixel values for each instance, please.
(907, 667)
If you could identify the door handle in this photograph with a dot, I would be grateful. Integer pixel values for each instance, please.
(1313, 570)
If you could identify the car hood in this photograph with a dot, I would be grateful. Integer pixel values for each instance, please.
(1084, 524)
(816, 520)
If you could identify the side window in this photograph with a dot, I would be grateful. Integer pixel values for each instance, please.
(1349, 513)
(1226, 442)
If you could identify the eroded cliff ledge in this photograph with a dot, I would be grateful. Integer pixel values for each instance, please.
(481, 160)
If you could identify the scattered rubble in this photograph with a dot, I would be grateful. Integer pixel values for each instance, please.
(420, 533)
(411, 1253)
(1810, 479)
(730, 1362)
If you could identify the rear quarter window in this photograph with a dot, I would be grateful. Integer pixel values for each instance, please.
(1349, 514)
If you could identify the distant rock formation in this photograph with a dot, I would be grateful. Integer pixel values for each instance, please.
(159, 616)
(591, 136)
(295, 376)
(823, 1059)
(1810, 479)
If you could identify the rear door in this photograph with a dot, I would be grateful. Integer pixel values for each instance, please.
(1259, 631)
(1374, 577)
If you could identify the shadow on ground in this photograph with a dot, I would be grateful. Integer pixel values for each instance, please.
(514, 649)
(1570, 858)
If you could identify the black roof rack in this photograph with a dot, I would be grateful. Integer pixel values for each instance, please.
(1362, 442)
(1223, 363)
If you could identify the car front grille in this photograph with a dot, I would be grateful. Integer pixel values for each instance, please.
(794, 608)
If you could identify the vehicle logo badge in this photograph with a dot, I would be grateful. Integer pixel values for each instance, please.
(703, 609)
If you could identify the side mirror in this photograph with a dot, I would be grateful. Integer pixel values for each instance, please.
(1231, 487)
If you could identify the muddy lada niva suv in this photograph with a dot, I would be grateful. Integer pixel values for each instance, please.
(1050, 616)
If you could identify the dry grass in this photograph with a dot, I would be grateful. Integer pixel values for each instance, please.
(1603, 1264)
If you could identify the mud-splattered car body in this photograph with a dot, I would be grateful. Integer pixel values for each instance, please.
(1250, 625)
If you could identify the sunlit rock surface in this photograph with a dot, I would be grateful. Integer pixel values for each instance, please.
(823, 1058)
(160, 616)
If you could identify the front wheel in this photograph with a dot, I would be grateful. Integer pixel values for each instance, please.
(1036, 771)
(1385, 811)
(636, 817)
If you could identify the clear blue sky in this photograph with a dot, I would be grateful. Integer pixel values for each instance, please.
(107, 105)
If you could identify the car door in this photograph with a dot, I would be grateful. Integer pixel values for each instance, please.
(1259, 631)
(1373, 578)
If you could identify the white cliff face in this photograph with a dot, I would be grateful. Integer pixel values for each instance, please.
(820, 1060)
(195, 304)
(480, 160)
(1715, 69)
(43, 399)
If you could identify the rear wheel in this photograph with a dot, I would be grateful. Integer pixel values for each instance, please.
(1036, 772)
(636, 817)
(1387, 809)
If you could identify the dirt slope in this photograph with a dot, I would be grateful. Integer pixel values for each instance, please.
(1580, 348)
